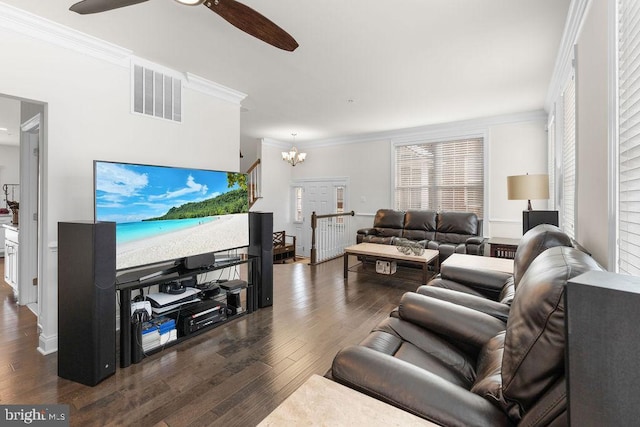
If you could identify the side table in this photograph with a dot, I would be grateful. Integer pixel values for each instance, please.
(503, 247)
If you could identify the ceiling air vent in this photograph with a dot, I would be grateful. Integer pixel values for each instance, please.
(156, 94)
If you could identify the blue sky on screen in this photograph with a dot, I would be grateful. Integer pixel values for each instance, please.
(130, 193)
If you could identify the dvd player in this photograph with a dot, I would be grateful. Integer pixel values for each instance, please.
(198, 316)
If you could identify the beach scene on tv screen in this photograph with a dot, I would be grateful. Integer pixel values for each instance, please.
(166, 213)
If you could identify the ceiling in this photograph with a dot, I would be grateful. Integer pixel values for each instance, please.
(363, 66)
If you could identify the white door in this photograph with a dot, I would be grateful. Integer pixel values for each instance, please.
(312, 196)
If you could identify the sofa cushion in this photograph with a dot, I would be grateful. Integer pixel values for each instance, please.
(458, 223)
(379, 240)
(456, 227)
(389, 222)
(422, 348)
(446, 249)
(535, 337)
(533, 243)
(489, 365)
(420, 225)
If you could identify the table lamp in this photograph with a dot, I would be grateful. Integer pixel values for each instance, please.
(531, 187)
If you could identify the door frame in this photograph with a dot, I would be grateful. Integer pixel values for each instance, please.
(29, 236)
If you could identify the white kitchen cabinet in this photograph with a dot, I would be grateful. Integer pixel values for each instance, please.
(11, 258)
(4, 219)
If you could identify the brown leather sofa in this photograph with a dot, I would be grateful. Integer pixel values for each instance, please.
(456, 366)
(447, 232)
(490, 290)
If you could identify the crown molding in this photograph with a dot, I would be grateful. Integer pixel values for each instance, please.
(26, 23)
(564, 60)
(34, 26)
(208, 87)
(471, 126)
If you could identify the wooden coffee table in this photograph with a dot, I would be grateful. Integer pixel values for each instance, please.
(430, 257)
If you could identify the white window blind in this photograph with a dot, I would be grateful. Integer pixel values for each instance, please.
(569, 159)
(444, 176)
(629, 136)
(298, 217)
(551, 160)
(340, 203)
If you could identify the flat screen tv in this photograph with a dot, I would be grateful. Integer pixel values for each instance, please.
(165, 214)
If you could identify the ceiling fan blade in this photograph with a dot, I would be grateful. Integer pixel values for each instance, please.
(253, 23)
(94, 6)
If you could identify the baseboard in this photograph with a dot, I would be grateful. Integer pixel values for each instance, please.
(47, 345)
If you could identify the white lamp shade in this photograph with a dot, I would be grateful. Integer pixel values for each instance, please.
(528, 187)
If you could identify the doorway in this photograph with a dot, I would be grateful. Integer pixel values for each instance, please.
(25, 119)
(28, 213)
(322, 196)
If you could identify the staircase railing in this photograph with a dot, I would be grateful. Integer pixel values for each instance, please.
(254, 185)
(330, 234)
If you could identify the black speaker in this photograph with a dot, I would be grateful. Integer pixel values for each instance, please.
(261, 244)
(532, 218)
(86, 301)
(603, 344)
(199, 261)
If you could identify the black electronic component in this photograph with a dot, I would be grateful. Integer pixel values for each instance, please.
(234, 301)
(198, 316)
(86, 301)
(175, 287)
(261, 245)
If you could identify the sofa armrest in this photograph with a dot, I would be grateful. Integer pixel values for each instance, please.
(551, 407)
(493, 308)
(368, 232)
(450, 320)
(475, 245)
(489, 282)
(475, 240)
(412, 389)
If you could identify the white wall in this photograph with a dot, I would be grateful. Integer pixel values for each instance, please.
(515, 145)
(514, 149)
(9, 171)
(276, 193)
(366, 164)
(592, 133)
(88, 117)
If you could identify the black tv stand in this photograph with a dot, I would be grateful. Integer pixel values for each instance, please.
(155, 276)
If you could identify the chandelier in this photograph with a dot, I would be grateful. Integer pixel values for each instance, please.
(293, 157)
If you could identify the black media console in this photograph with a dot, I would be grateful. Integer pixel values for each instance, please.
(128, 282)
(87, 294)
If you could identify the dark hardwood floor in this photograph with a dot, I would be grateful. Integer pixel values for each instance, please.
(233, 375)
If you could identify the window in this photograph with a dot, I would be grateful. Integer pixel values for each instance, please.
(445, 176)
(340, 203)
(569, 158)
(297, 194)
(628, 137)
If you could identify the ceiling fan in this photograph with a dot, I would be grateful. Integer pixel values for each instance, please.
(237, 14)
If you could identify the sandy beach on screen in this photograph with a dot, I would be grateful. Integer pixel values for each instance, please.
(226, 232)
